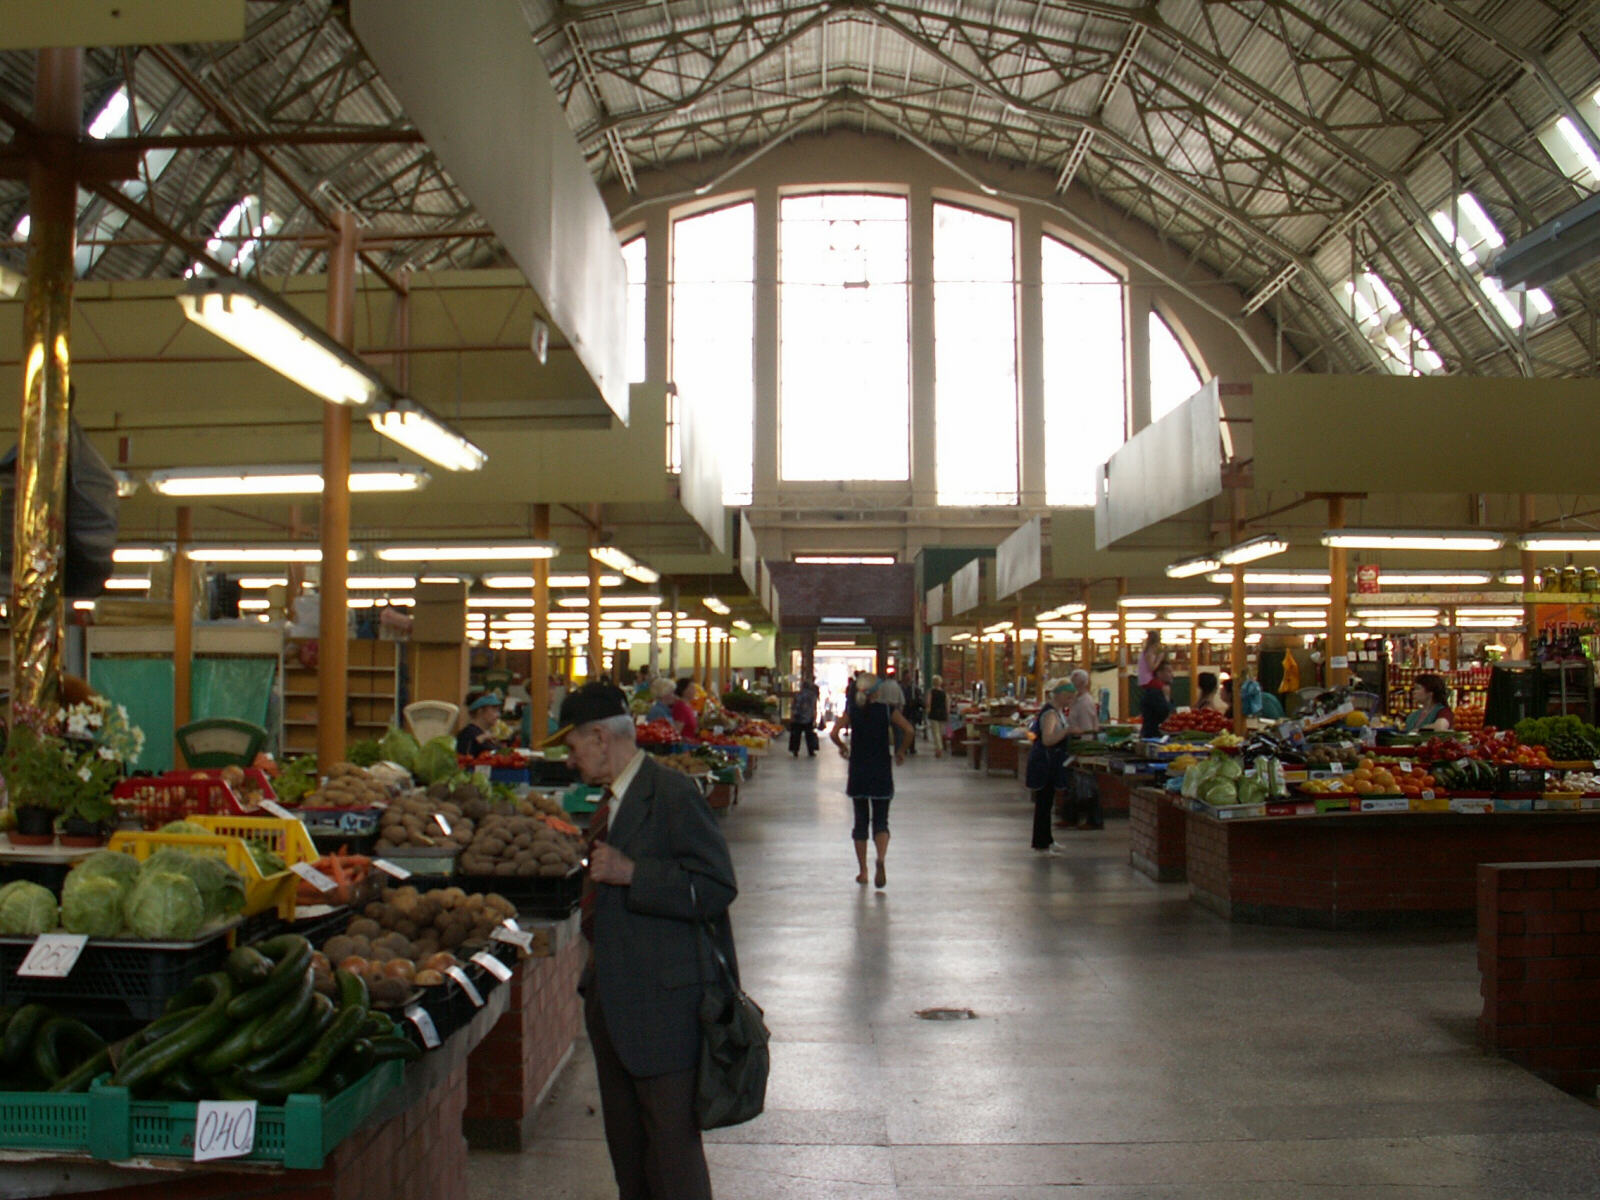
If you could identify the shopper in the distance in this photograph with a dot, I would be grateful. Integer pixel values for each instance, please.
(1210, 698)
(683, 714)
(1046, 758)
(878, 734)
(938, 713)
(1432, 698)
(662, 694)
(1083, 792)
(477, 735)
(803, 720)
(1154, 707)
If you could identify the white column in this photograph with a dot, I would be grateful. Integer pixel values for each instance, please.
(1030, 360)
(923, 408)
(657, 277)
(766, 353)
(1139, 305)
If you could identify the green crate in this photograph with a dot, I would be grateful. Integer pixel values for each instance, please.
(42, 1121)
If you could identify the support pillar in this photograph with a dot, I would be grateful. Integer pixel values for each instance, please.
(672, 643)
(595, 655)
(333, 648)
(1121, 709)
(1530, 625)
(539, 663)
(1236, 595)
(182, 627)
(1338, 570)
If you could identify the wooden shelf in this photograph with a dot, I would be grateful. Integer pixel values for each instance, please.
(370, 666)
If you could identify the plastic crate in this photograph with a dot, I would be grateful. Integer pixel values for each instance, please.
(160, 799)
(117, 985)
(228, 834)
(107, 1123)
(535, 895)
(255, 776)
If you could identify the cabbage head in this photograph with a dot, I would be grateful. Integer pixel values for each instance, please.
(1228, 767)
(436, 761)
(1252, 791)
(221, 888)
(92, 904)
(188, 828)
(399, 747)
(165, 906)
(26, 908)
(108, 864)
(1220, 792)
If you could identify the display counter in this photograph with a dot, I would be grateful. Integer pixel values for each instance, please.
(1114, 774)
(1003, 755)
(1158, 834)
(1368, 870)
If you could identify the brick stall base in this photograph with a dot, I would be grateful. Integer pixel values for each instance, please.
(1158, 835)
(1539, 959)
(510, 1071)
(1369, 870)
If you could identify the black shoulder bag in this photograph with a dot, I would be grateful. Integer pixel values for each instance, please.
(734, 1060)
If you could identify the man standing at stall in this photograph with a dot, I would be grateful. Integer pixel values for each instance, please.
(660, 882)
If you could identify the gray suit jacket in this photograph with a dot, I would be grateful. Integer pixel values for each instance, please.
(649, 959)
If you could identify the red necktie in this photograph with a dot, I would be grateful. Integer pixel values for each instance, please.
(599, 827)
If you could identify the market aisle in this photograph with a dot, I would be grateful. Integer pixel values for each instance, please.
(1127, 1043)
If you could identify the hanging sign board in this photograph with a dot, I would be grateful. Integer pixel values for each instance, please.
(1019, 559)
(935, 605)
(966, 587)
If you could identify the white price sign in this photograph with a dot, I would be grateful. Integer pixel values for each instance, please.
(442, 823)
(1336, 768)
(389, 868)
(53, 955)
(472, 992)
(224, 1129)
(1130, 769)
(314, 877)
(277, 810)
(482, 770)
(492, 965)
(516, 937)
(419, 1017)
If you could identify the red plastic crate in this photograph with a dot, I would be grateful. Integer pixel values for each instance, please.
(163, 798)
(253, 775)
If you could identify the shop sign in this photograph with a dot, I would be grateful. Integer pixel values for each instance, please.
(1367, 576)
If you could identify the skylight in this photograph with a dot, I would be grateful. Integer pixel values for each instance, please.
(1474, 235)
(1400, 344)
(236, 240)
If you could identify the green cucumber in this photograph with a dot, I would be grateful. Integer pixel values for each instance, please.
(379, 1024)
(230, 1049)
(190, 1039)
(284, 1020)
(274, 1086)
(183, 1082)
(80, 1077)
(292, 953)
(248, 967)
(298, 1045)
(159, 1028)
(21, 1032)
(385, 1048)
(352, 991)
(63, 1044)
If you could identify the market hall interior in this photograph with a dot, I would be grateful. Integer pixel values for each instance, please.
(1126, 1041)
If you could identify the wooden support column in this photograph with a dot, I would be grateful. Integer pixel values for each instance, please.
(182, 626)
(672, 643)
(595, 656)
(539, 661)
(1194, 665)
(333, 647)
(1338, 569)
(1086, 653)
(1120, 709)
(1237, 667)
(694, 669)
(1530, 630)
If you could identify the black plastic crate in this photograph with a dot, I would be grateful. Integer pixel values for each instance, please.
(535, 895)
(115, 986)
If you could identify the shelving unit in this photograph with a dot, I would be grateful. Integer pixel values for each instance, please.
(1469, 688)
(372, 690)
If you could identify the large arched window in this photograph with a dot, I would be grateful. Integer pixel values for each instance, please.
(1085, 405)
(844, 338)
(713, 332)
(975, 357)
(633, 257)
(1173, 378)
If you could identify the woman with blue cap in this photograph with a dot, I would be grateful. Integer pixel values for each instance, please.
(477, 735)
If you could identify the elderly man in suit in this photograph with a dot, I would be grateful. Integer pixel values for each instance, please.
(659, 873)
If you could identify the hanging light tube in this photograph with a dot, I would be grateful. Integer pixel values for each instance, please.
(414, 427)
(716, 606)
(280, 480)
(275, 335)
(1413, 539)
(1285, 578)
(1168, 601)
(1434, 578)
(529, 548)
(283, 553)
(1188, 567)
(1568, 542)
(1264, 546)
(525, 582)
(132, 555)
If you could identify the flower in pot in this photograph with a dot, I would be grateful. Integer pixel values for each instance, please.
(61, 767)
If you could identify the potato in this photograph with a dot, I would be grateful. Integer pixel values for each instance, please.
(428, 978)
(387, 992)
(552, 870)
(437, 962)
(365, 927)
(339, 947)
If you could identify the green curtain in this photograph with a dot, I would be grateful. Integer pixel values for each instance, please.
(232, 687)
(144, 686)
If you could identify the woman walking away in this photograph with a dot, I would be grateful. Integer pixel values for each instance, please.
(803, 720)
(870, 781)
(938, 714)
(1045, 759)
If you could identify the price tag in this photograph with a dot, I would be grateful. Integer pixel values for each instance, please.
(492, 965)
(1336, 768)
(419, 1017)
(516, 937)
(1129, 769)
(314, 877)
(1339, 662)
(1405, 767)
(460, 977)
(482, 770)
(444, 825)
(277, 810)
(224, 1129)
(1427, 793)
(389, 868)
(53, 955)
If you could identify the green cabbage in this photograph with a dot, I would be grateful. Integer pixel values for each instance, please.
(221, 888)
(26, 908)
(1252, 791)
(436, 761)
(268, 861)
(93, 904)
(187, 828)
(165, 906)
(108, 864)
(1220, 792)
(1227, 767)
(399, 747)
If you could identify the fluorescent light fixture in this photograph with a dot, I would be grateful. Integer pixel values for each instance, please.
(998, 627)
(284, 480)
(255, 605)
(283, 553)
(1189, 567)
(1569, 542)
(525, 582)
(1305, 624)
(742, 624)
(1168, 601)
(384, 583)
(1264, 546)
(260, 583)
(1496, 610)
(1201, 614)
(83, 605)
(1287, 601)
(1136, 616)
(419, 431)
(467, 551)
(127, 583)
(277, 336)
(841, 621)
(620, 560)
(1287, 578)
(1434, 578)
(141, 554)
(1413, 539)
(846, 560)
(446, 579)
(610, 601)
(1368, 613)
(127, 485)
(1512, 577)
(716, 606)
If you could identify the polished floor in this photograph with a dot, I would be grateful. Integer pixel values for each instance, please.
(1126, 1043)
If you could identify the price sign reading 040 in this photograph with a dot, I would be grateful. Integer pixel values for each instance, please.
(224, 1129)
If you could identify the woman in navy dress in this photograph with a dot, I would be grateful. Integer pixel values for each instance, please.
(870, 783)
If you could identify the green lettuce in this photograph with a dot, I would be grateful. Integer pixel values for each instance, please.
(93, 904)
(399, 747)
(27, 908)
(165, 906)
(108, 864)
(436, 761)
(221, 888)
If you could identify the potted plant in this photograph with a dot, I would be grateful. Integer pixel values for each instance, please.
(60, 769)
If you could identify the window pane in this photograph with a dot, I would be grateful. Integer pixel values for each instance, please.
(975, 357)
(1173, 378)
(713, 331)
(844, 334)
(633, 258)
(1085, 387)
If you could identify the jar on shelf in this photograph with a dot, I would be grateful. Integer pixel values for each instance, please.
(1550, 579)
(1569, 579)
(1589, 581)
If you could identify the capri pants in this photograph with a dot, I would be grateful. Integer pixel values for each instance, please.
(878, 806)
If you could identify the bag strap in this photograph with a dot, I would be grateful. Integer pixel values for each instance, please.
(708, 936)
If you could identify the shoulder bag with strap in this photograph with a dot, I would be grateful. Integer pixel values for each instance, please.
(731, 1087)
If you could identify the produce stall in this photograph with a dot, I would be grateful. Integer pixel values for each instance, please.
(1158, 834)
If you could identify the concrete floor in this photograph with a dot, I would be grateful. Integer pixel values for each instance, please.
(1128, 1044)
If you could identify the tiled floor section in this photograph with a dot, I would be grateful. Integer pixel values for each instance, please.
(1127, 1044)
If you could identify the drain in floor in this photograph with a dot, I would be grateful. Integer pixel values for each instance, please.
(946, 1014)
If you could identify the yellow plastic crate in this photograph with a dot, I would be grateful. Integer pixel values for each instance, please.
(261, 892)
